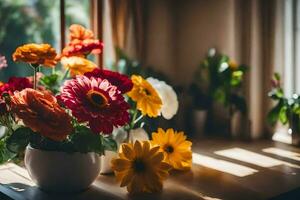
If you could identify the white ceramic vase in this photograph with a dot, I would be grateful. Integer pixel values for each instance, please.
(62, 172)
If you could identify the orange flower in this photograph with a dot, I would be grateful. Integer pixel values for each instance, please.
(82, 42)
(38, 54)
(40, 111)
(83, 47)
(80, 33)
(233, 65)
(77, 65)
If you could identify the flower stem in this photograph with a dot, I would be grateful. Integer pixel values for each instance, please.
(138, 119)
(34, 78)
(66, 74)
(133, 119)
(35, 68)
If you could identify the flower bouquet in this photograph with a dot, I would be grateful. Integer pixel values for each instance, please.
(64, 121)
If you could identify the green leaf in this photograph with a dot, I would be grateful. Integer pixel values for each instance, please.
(109, 144)
(277, 76)
(273, 115)
(85, 141)
(51, 82)
(283, 115)
(5, 154)
(20, 138)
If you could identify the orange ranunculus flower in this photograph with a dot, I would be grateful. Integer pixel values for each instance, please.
(41, 54)
(82, 47)
(40, 111)
(78, 32)
(77, 65)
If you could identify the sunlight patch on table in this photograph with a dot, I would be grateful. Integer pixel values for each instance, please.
(283, 153)
(253, 158)
(222, 165)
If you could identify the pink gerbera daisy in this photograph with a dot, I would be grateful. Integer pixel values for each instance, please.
(96, 101)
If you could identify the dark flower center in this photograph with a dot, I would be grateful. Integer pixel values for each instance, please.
(169, 149)
(139, 165)
(147, 92)
(97, 98)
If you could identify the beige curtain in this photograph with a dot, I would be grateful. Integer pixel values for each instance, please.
(257, 23)
(119, 11)
(128, 20)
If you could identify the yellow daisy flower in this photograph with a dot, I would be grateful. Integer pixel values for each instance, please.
(77, 65)
(176, 148)
(140, 167)
(146, 97)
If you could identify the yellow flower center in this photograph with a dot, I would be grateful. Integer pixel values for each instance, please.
(139, 165)
(97, 99)
(169, 149)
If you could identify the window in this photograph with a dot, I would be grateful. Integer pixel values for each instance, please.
(26, 21)
(291, 47)
(42, 21)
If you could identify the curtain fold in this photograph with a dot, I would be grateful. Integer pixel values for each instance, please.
(257, 28)
(128, 21)
(120, 12)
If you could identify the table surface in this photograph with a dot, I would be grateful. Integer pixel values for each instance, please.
(221, 170)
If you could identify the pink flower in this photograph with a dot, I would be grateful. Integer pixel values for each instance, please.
(95, 101)
(123, 82)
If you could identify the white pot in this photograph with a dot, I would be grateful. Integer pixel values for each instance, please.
(62, 172)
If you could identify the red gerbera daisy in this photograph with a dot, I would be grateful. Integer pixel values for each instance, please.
(96, 101)
(15, 84)
(123, 82)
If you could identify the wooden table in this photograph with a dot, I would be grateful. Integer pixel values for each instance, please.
(221, 170)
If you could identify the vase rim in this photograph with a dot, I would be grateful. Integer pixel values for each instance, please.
(29, 147)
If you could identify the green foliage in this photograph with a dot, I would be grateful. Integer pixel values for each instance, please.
(283, 114)
(273, 115)
(18, 141)
(287, 109)
(218, 79)
(51, 82)
(85, 141)
(5, 154)
(109, 144)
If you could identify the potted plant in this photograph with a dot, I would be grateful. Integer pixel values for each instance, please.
(223, 80)
(286, 110)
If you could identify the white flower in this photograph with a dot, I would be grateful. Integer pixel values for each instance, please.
(138, 134)
(119, 135)
(168, 97)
